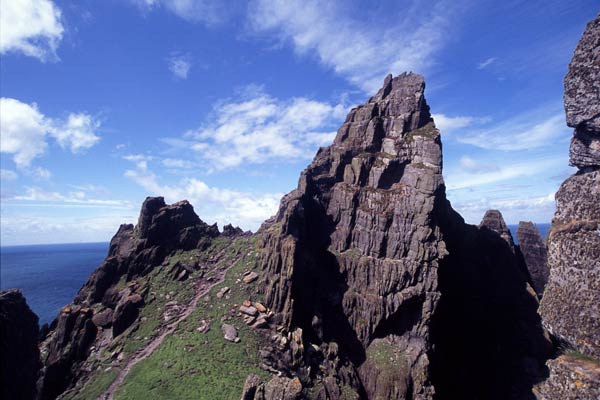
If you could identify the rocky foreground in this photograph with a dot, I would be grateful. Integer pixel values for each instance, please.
(365, 285)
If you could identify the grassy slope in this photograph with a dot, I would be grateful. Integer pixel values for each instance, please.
(194, 365)
(184, 366)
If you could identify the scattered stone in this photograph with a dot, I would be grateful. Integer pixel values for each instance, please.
(260, 307)
(246, 303)
(261, 323)
(230, 333)
(222, 292)
(249, 310)
(204, 326)
(250, 277)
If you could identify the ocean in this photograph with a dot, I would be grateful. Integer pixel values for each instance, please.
(49, 275)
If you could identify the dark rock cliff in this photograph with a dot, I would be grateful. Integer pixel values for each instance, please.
(367, 255)
(19, 354)
(571, 302)
(100, 306)
(535, 254)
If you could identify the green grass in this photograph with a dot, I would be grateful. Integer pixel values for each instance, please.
(194, 365)
(95, 387)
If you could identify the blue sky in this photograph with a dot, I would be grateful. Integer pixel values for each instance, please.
(223, 103)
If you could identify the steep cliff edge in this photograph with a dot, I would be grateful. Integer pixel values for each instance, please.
(571, 302)
(20, 357)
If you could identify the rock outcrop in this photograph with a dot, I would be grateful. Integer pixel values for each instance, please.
(535, 254)
(19, 354)
(134, 251)
(353, 253)
(571, 301)
(363, 253)
(494, 221)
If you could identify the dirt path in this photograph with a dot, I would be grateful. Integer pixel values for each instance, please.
(143, 353)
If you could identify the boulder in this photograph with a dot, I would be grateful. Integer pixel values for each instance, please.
(126, 313)
(230, 333)
(104, 318)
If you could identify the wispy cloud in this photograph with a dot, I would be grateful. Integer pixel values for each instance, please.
(247, 210)
(180, 65)
(25, 129)
(486, 63)
(538, 208)
(8, 175)
(31, 27)
(260, 128)
(476, 167)
(465, 178)
(362, 51)
(208, 12)
(530, 130)
(36, 194)
(446, 124)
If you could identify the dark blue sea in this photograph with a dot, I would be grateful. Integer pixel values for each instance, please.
(49, 275)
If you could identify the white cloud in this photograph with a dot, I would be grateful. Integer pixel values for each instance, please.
(8, 175)
(24, 130)
(447, 124)
(208, 12)
(363, 51)
(247, 210)
(177, 163)
(31, 27)
(475, 167)
(19, 228)
(77, 133)
(42, 173)
(180, 66)
(140, 160)
(538, 208)
(36, 194)
(261, 128)
(523, 132)
(486, 63)
(464, 177)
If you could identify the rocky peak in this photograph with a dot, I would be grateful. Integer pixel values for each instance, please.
(535, 254)
(494, 221)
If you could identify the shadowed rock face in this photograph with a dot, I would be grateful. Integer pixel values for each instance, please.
(535, 254)
(352, 254)
(571, 300)
(133, 251)
(368, 254)
(19, 354)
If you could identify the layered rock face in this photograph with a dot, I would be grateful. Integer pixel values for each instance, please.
(19, 354)
(535, 253)
(352, 254)
(359, 254)
(571, 304)
(99, 306)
